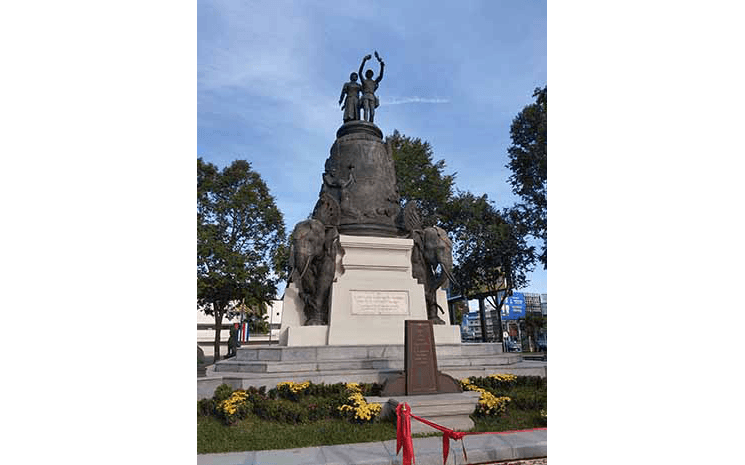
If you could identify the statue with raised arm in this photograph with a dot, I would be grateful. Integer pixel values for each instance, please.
(351, 91)
(369, 85)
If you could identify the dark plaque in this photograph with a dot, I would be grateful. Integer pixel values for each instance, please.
(420, 363)
(420, 374)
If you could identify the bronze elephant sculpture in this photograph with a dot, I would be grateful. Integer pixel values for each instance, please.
(432, 263)
(312, 260)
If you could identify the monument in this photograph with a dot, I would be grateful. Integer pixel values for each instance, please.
(366, 300)
(362, 264)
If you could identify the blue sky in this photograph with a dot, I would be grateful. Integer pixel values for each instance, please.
(270, 74)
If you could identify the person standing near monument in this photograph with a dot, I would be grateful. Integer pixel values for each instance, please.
(352, 103)
(232, 340)
(369, 85)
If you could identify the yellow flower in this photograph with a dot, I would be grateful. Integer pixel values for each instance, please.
(230, 405)
(295, 388)
(504, 377)
(362, 410)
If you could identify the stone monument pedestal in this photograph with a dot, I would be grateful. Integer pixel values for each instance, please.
(372, 295)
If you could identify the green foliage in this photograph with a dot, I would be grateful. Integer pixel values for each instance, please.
(494, 384)
(419, 178)
(253, 433)
(222, 392)
(528, 163)
(206, 407)
(282, 410)
(534, 324)
(314, 419)
(240, 231)
(289, 402)
(528, 398)
(491, 253)
(286, 391)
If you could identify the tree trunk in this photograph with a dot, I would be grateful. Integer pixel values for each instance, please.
(218, 327)
(498, 306)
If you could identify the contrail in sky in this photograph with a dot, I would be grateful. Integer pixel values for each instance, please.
(403, 100)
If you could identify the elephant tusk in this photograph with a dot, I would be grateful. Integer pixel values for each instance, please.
(450, 276)
(304, 270)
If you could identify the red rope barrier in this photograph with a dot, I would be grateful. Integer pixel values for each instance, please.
(403, 434)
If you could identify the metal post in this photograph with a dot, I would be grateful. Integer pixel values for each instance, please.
(499, 323)
(482, 316)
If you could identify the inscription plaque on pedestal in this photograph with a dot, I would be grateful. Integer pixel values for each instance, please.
(380, 302)
(421, 359)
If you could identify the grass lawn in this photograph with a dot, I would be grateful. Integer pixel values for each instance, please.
(253, 433)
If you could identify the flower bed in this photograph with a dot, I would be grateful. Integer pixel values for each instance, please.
(306, 414)
(508, 402)
(293, 403)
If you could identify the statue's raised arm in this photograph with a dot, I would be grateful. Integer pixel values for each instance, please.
(382, 65)
(362, 65)
(369, 85)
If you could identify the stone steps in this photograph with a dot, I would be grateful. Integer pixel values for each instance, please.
(243, 380)
(265, 365)
(383, 351)
(242, 366)
(295, 360)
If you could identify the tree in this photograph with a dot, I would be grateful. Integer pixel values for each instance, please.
(490, 248)
(491, 253)
(534, 324)
(239, 232)
(419, 178)
(528, 163)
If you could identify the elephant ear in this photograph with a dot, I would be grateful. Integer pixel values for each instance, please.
(327, 210)
(410, 217)
(443, 235)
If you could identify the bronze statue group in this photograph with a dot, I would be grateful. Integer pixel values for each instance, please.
(351, 90)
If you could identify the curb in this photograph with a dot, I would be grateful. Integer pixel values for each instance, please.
(480, 448)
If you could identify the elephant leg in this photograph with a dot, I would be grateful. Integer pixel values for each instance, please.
(432, 310)
(310, 283)
(323, 287)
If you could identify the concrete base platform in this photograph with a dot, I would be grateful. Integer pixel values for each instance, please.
(449, 410)
(268, 365)
(427, 451)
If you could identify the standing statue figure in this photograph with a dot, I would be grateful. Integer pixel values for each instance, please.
(369, 85)
(351, 105)
(331, 182)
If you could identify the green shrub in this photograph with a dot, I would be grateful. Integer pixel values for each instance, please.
(289, 402)
(283, 411)
(534, 382)
(206, 407)
(222, 392)
(234, 408)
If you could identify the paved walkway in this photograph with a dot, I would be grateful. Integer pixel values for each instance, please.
(484, 448)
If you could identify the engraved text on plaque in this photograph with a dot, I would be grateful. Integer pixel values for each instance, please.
(380, 303)
(420, 363)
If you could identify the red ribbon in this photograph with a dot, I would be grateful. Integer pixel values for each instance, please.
(403, 434)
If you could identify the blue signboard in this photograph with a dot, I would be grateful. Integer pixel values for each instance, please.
(514, 307)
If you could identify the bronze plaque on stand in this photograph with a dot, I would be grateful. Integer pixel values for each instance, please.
(420, 374)
(420, 364)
